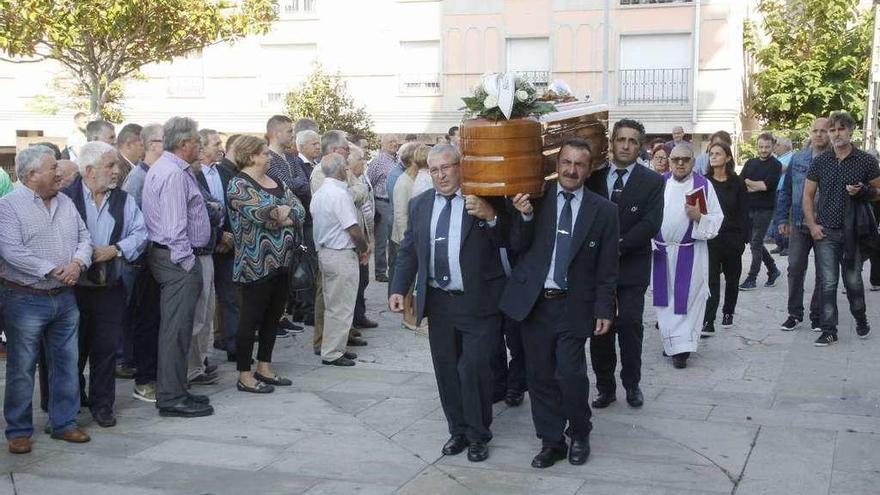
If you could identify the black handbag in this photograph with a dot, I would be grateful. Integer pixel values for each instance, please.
(302, 271)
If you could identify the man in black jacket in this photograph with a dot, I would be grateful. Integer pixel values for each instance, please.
(215, 178)
(451, 251)
(638, 193)
(562, 290)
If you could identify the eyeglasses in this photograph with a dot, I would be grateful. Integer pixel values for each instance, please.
(661, 158)
(445, 168)
(680, 159)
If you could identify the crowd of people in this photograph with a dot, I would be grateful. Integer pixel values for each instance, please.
(126, 262)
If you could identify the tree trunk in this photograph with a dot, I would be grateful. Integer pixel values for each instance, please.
(96, 96)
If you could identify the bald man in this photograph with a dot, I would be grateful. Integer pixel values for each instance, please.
(68, 170)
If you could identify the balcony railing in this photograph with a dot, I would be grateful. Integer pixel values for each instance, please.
(650, 2)
(654, 86)
(539, 78)
(419, 84)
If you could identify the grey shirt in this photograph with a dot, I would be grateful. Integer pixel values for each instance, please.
(34, 240)
(134, 183)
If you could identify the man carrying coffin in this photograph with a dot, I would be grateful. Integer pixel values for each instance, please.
(451, 251)
(681, 255)
(562, 290)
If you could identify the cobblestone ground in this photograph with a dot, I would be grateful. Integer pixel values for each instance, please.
(757, 411)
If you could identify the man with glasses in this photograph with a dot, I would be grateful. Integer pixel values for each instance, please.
(451, 250)
(681, 257)
(839, 177)
(177, 223)
(638, 193)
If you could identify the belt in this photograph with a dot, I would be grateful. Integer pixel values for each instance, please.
(36, 292)
(199, 251)
(387, 200)
(449, 292)
(554, 293)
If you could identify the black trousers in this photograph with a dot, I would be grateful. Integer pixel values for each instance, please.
(556, 367)
(760, 223)
(509, 375)
(875, 269)
(627, 328)
(262, 304)
(144, 312)
(461, 348)
(360, 303)
(725, 256)
(101, 315)
(227, 299)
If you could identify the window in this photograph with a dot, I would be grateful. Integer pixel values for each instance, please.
(655, 69)
(530, 58)
(420, 70)
(296, 8)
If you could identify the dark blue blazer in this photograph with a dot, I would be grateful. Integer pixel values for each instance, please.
(481, 269)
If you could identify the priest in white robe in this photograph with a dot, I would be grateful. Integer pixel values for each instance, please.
(680, 278)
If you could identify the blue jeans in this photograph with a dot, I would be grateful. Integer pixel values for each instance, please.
(829, 254)
(29, 318)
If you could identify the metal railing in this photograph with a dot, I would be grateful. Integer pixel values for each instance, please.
(653, 86)
(539, 78)
(419, 84)
(649, 2)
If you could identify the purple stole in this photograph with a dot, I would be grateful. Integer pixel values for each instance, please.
(684, 266)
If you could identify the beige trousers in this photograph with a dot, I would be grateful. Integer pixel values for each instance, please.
(339, 280)
(203, 322)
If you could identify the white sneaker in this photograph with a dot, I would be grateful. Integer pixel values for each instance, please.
(146, 392)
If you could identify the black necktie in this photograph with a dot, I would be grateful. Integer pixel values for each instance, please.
(618, 184)
(441, 244)
(563, 242)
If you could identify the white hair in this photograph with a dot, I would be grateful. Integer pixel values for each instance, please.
(332, 139)
(331, 164)
(355, 153)
(177, 130)
(444, 149)
(151, 132)
(303, 136)
(30, 159)
(91, 154)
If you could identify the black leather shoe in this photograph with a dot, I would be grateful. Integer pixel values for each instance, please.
(349, 355)
(277, 381)
(579, 451)
(514, 398)
(604, 399)
(478, 452)
(340, 361)
(186, 409)
(455, 445)
(199, 399)
(549, 456)
(104, 418)
(356, 342)
(634, 397)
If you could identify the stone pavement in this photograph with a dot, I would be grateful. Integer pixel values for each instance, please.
(758, 411)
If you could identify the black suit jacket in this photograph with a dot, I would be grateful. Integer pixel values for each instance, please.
(641, 214)
(225, 176)
(592, 269)
(481, 269)
(305, 195)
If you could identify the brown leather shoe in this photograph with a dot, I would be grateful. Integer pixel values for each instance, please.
(73, 435)
(20, 445)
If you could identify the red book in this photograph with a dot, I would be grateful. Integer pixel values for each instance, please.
(697, 197)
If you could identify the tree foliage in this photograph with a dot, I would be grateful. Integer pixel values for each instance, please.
(815, 59)
(324, 98)
(101, 42)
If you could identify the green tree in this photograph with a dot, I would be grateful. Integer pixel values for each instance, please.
(324, 98)
(101, 42)
(815, 58)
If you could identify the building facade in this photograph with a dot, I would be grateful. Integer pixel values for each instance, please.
(664, 62)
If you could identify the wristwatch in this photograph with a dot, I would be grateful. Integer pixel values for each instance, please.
(118, 250)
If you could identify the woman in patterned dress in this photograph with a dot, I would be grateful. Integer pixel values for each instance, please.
(266, 220)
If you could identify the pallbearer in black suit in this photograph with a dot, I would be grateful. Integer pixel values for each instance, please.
(451, 252)
(562, 290)
(638, 193)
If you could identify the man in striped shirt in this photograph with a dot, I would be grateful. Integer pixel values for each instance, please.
(44, 246)
(177, 222)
